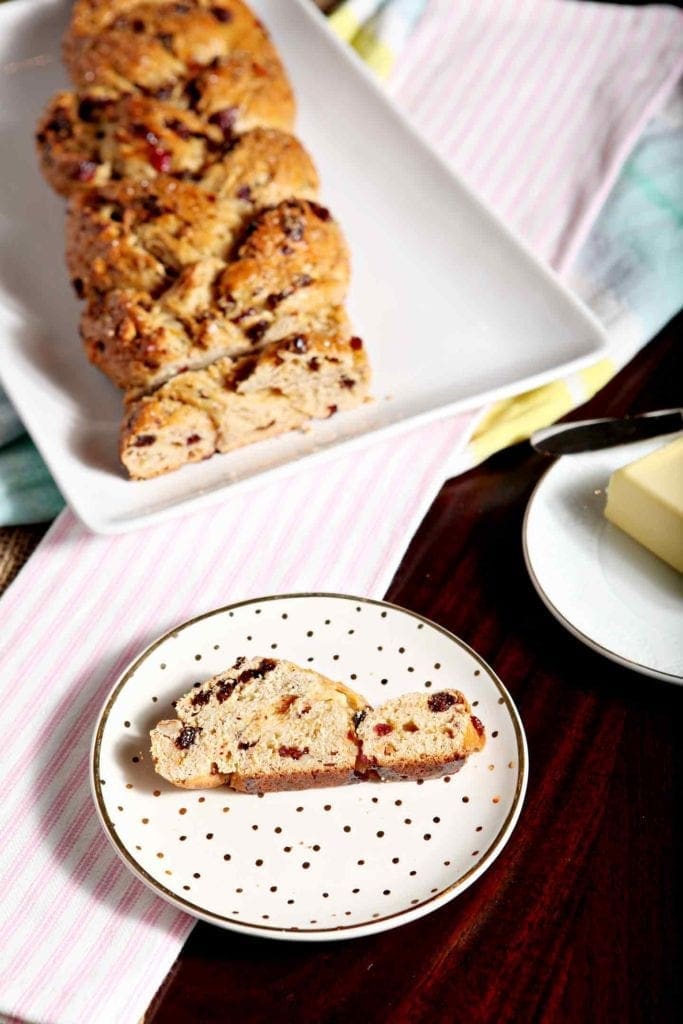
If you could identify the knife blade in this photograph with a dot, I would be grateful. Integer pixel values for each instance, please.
(591, 435)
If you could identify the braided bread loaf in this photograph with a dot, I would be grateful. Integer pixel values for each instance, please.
(212, 278)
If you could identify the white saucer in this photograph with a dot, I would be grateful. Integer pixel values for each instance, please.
(604, 587)
(324, 863)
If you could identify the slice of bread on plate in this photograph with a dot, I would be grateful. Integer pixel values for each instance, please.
(420, 735)
(263, 725)
(267, 724)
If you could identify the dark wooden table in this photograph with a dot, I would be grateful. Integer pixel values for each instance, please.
(576, 920)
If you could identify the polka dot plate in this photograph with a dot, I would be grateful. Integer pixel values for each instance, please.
(322, 863)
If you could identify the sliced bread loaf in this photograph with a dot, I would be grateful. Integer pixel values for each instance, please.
(262, 725)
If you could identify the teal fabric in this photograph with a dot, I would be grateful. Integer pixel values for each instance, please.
(633, 258)
(28, 493)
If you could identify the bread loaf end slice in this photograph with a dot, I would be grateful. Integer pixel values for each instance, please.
(419, 735)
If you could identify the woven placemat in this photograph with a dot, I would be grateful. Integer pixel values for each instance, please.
(16, 545)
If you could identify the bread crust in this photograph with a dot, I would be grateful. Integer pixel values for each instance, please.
(314, 779)
(292, 268)
(126, 235)
(120, 47)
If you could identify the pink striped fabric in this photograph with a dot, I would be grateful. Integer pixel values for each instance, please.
(81, 939)
(537, 103)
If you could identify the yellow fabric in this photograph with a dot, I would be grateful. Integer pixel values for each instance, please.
(365, 41)
(515, 419)
(344, 22)
(374, 52)
(595, 376)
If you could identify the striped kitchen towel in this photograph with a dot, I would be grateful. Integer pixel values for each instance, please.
(85, 605)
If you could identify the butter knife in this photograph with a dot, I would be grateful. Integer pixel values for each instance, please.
(591, 435)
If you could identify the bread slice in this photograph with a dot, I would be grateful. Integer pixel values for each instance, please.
(234, 402)
(419, 735)
(262, 725)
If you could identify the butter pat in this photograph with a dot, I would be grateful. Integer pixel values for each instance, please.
(645, 500)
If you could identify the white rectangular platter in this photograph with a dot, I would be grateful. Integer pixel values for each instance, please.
(453, 310)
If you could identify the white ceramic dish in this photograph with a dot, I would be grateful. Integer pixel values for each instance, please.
(453, 310)
(317, 864)
(605, 588)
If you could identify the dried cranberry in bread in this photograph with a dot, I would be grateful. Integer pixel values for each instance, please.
(262, 725)
(420, 735)
(235, 402)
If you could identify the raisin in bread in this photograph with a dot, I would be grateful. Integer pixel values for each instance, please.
(419, 735)
(235, 402)
(262, 725)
